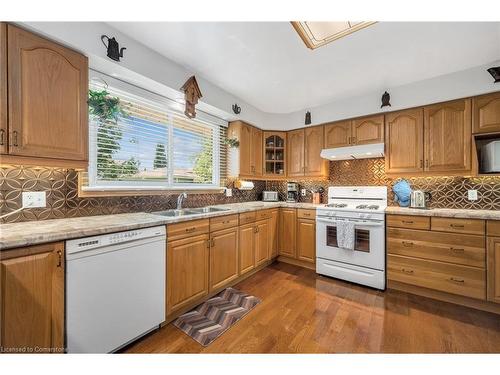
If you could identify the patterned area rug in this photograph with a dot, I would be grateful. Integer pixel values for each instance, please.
(215, 316)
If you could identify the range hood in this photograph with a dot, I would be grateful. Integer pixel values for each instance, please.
(374, 150)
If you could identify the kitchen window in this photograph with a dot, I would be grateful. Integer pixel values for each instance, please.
(139, 140)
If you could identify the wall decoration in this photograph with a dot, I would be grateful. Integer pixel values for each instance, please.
(236, 109)
(113, 49)
(192, 93)
(307, 120)
(495, 73)
(386, 98)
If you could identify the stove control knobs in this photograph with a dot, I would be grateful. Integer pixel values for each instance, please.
(366, 216)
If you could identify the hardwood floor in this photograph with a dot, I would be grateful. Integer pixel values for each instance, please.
(302, 312)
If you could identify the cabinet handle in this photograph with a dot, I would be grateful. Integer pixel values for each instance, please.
(457, 250)
(14, 139)
(208, 244)
(306, 215)
(455, 280)
(421, 163)
(407, 222)
(189, 230)
(59, 258)
(353, 140)
(407, 244)
(2, 134)
(458, 226)
(213, 242)
(410, 272)
(427, 164)
(350, 140)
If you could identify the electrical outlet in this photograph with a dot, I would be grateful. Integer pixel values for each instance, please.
(229, 192)
(303, 192)
(32, 199)
(472, 195)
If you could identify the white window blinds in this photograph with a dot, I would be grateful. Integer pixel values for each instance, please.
(141, 140)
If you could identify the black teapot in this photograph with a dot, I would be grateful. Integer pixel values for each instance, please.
(114, 51)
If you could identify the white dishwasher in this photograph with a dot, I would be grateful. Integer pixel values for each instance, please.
(115, 289)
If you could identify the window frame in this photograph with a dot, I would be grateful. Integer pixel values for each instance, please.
(172, 108)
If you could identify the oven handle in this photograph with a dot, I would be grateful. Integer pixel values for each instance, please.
(361, 222)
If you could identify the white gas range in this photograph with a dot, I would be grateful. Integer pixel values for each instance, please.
(364, 206)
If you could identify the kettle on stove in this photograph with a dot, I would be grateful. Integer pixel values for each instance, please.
(419, 199)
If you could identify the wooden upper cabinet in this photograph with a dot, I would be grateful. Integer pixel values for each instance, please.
(32, 297)
(404, 133)
(447, 129)
(493, 287)
(368, 130)
(246, 145)
(314, 164)
(257, 152)
(338, 134)
(47, 88)
(3, 88)
(295, 153)
(187, 271)
(486, 113)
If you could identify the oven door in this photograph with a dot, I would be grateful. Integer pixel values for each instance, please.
(369, 244)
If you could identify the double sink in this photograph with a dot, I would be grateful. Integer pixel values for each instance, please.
(190, 211)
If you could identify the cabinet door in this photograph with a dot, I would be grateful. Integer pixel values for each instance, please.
(287, 232)
(315, 165)
(494, 269)
(306, 240)
(257, 151)
(295, 151)
(223, 258)
(48, 87)
(273, 233)
(447, 131)
(338, 134)
(246, 246)
(404, 133)
(261, 242)
(3, 88)
(187, 271)
(32, 297)
(486, 113)
(368, 130)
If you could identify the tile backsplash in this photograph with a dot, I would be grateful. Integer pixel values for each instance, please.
(63, 201)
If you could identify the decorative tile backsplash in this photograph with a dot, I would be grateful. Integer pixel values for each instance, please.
(63, 201)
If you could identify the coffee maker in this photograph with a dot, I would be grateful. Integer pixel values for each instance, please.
(292, 192)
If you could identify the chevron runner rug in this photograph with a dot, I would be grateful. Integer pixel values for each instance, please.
(212, 318)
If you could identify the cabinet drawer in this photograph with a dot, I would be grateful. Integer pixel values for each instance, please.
(187, 229)
(450, 278)
(263, 214)
(493, 228)
(409, 222)
(303, 213)
(247, 217)
(223, 222)
(462, 249)
(446, 224)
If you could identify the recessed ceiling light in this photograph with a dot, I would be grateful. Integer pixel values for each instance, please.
(317, 34)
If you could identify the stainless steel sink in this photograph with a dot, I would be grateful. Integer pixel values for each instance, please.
(190, 211)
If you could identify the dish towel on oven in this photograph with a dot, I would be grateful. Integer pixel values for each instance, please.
(345, 235)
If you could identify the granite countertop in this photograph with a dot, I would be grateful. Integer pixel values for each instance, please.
(36, 232)
(445, 212)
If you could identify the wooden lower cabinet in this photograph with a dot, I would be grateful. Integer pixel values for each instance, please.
(261, 242)
(494, 269)
(246, 247)
(224, 257)
(273, 233)
(187, 271)
(306, 240)
(32, 298)
(287, 232)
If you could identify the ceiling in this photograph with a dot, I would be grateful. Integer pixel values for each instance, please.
(267, 64)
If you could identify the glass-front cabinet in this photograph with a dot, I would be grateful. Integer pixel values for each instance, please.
(274, 154)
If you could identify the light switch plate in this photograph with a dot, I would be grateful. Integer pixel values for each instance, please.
(33, 199)
(229, 192)
(472, 195)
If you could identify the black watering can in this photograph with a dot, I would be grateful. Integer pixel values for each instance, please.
(114, 51)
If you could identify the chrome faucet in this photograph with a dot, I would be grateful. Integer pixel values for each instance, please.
(180, 199)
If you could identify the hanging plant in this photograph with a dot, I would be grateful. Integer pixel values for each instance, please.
(232, 142)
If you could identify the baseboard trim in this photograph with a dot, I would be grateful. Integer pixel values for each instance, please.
(297, 262)
(446, 297)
